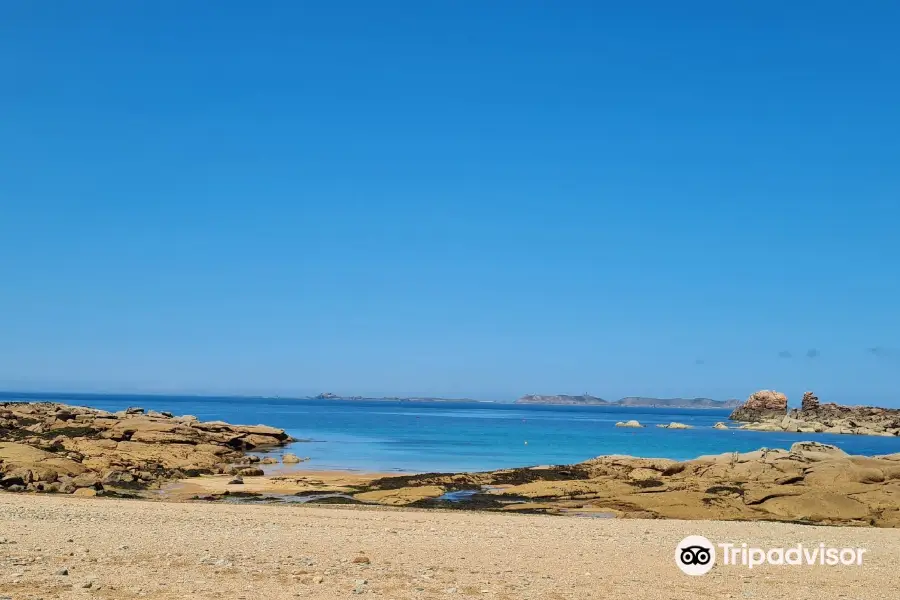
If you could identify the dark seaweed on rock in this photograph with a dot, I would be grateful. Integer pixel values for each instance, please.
(557, 473)
(335, 500)
(647, 483)
(450, 481)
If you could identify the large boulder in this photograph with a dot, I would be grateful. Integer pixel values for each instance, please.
(760, 406)
(674, 425)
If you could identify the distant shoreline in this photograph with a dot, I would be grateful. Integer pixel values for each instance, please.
(627, 402)
(138, 397)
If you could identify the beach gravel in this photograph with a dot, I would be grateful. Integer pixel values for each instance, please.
(128, 549)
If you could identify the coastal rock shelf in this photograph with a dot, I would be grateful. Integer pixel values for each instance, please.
(810, 483)
(50, 447)
(767, 410)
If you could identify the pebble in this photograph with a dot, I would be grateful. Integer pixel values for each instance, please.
(63, 571)
(361, 560)
(318, 579)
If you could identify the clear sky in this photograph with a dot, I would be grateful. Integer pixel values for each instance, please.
(451, 198)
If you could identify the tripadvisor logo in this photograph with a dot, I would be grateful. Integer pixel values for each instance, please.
(696, 555)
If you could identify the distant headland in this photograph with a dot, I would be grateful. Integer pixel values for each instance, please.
(562, 399)
(588, 400)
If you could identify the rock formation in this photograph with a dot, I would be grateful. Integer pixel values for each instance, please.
(760, 406)
(763, 412)
(809, 483)
(810, 401)
(52, 447)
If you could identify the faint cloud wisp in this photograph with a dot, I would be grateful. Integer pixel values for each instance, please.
(882, 352)
(812, 353)
(785, 354)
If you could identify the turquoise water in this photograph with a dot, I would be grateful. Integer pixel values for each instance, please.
(387, 436)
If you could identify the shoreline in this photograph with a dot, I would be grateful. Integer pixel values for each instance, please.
(124, 550)
(133, 453)
(810, 483)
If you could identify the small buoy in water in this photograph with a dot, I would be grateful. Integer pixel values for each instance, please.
(526, 442)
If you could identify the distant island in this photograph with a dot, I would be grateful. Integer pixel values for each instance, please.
(588, 400)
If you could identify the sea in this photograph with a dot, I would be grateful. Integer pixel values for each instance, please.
(415, 437)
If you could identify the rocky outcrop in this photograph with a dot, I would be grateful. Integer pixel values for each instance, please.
(814, 417)
(810, 402)
(761, 406)
(560, 399)
(808, 483)
(631, 423)
(50, 447)
(674, 425)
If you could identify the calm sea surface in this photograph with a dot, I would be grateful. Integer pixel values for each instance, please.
(377, 435)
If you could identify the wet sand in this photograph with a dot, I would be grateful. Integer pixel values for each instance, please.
(124, 549)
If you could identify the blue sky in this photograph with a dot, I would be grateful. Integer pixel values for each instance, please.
(451, 198)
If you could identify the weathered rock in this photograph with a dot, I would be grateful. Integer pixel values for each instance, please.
(815, 451)
(643, 474)
(761, 405)
(54, 447)
(767, 411)
(631, 423)
(86, 480)
(400, 496)
(810, 401)
(811, 482)
(764, 426)
(720, 425)
(675, 425)
(252, 472)
(290, 459)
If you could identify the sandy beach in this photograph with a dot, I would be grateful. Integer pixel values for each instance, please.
(122, 549)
